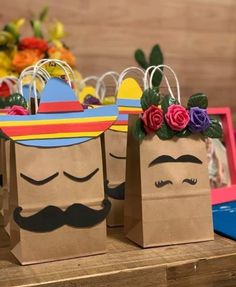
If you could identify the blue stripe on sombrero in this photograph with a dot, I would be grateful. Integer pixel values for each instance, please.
(128, 103)
(122, 117)
(54, 142)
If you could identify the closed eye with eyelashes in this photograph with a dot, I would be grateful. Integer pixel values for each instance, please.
(81, 179)
(41, 181)
(191, 181)
(162, 183)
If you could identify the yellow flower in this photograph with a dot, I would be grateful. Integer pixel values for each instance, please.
(5, 61)
(57, 33)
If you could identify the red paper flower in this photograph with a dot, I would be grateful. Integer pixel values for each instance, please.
(17, 110)
(152, 119)
(177, 117)
(4, 90)
(34, 43)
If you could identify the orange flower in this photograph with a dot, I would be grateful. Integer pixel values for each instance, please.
(25, 58)
(61, 54)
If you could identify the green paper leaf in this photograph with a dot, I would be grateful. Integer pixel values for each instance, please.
(141, 59)
(150, 97)
(165, 133)
(184, 133)
(16, 99)
(156, 58)
(167, 101)
(36, 25)
(198, 100)
(3, 102)
(43, 14)
(138, 130)
(214, 130)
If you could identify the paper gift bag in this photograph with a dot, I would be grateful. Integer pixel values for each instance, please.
(57, 200)
(167, 195)
(115, 140)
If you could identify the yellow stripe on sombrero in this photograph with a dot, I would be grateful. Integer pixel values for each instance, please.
(56, 121)
(129, 89)
(57, 135)
(119, 128)
(127, 109)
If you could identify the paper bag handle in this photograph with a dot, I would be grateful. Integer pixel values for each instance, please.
(101, 87)
(127, 70)
(11, 82)
(148, 83)
(42, 75)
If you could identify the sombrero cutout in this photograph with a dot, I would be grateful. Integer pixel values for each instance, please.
(60, 120)
(128, 100)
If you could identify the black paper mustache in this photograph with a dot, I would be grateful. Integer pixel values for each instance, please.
(117, 192)
(52, 217)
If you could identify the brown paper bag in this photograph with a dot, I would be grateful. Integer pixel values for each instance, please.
(115, 141)
(115, 161)
(61, 191)
(57, 206)
(175, 213)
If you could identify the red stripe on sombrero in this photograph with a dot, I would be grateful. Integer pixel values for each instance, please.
(58, 107)
(129, 112)
(56, 128)
(120, 123)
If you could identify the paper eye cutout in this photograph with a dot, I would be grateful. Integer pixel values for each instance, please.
(162, 183)
(117, 157)
(191, 181)
(39, 182)
(81, 179)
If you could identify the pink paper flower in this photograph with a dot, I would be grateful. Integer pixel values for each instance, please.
(152, 119)
(17, 110)
(177, 117)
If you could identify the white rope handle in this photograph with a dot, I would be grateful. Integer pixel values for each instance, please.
(11, 83)
(42, 76)
(101, 87)
(63, 65)
(127, 70)
(83, 82)
(167, 82)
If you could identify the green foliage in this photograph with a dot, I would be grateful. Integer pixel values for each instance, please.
(14, 99)
(198, 100)
(138, 130)
(155, 58)
(150, 97)
(214, 130)
(141, 59)
(165, 133)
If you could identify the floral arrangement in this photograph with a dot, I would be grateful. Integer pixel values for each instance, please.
(165, 117)
(17, 52)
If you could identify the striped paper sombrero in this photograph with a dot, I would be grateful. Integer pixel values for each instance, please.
(60, 120)
(128, 102)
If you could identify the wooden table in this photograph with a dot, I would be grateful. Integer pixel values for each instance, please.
(211, 263)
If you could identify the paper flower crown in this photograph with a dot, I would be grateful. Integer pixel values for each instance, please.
(166, 117)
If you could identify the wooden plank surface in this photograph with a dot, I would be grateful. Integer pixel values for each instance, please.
(198, 37)
(211, 263)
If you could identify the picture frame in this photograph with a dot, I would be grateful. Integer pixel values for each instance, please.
(227, 193)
